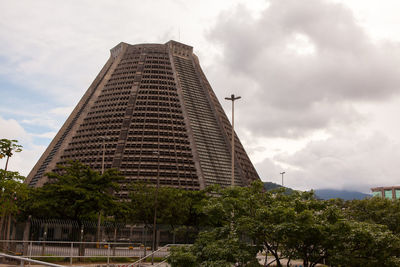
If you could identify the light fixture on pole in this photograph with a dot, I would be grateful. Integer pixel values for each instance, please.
(155, 207)
(233, 98)
(104, 154)
(282, 173)
(103, 146)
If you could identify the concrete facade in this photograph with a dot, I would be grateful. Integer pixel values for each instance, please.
(154, 114)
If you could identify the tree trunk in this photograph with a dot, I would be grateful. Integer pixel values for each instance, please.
(44, 238)
(274, 253)
(26, 235)
(115, 239)
(8, 157)
(173, 234)
(8, 232)
(81, 245)
(1, 225)
(13, 234)
(266, 259)
(9, 227)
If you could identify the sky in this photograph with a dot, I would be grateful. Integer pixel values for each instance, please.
(319, 79)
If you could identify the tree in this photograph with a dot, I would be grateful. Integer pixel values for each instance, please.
(11, 186)
(76, 192)
(311, 233)
(272, 210)
(182, 256)
(13, 192)
(292, 226)
(375, 210)
(8, 148)
(226, 241)
(365, 244)
(141, 204)
(217, 247)
(176, 207)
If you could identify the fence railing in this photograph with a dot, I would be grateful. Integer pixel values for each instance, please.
(74, 250)
(153, 254)
(23, 260)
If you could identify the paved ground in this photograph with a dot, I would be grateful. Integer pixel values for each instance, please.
(91, 265)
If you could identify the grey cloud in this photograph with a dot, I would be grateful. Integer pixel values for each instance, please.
(297, 93)
(347, 161)
(269, 170)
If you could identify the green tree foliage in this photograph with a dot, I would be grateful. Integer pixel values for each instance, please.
(13, 193)
(175, 206)
(365, 244)
(12, 190)
(222, 246)
(76, 192)
(182, 257)
(141, 205)
(217, 247)
(375, 210)
(224, 242)
(293, 226)
(8, 148)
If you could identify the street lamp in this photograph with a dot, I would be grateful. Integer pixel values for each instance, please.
(104, 153)
(282, 173)
(155, 206)
(233, 98)
(102, 172)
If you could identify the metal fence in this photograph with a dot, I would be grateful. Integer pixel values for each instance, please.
(90, 231)
(67, 251)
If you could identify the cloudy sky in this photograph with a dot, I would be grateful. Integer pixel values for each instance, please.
(319, 79)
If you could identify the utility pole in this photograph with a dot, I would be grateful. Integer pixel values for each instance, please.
(155, 209)
(282, 173)
(104, 153)
(158, 183)
(102, 172)
(233, 98)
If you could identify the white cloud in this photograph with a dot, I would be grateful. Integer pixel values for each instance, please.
(302, 68)
(347, 161)
(25, 160)
(62, 111)
(11, 129)
(48, 135)
(42, 121)
(304, 65)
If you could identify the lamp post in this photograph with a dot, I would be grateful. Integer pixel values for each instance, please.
(155, 207)
(233, 98)
(104, 153)
(282, 173)
(102, 172)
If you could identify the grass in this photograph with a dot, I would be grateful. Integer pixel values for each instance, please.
(156, 259)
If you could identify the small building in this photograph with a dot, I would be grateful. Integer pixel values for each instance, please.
(389, 192)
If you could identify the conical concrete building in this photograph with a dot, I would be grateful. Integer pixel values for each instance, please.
(152, 112)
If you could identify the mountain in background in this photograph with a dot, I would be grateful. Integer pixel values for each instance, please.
(343, 194)
(271, 186)
(324, 193)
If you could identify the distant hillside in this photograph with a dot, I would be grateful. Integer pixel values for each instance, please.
(271, 186)
(343, 194)
(324, 193)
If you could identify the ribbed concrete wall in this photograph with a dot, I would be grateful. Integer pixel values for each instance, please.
(155, 114)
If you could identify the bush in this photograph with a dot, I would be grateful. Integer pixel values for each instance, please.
(181, 256)
(51, 259)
